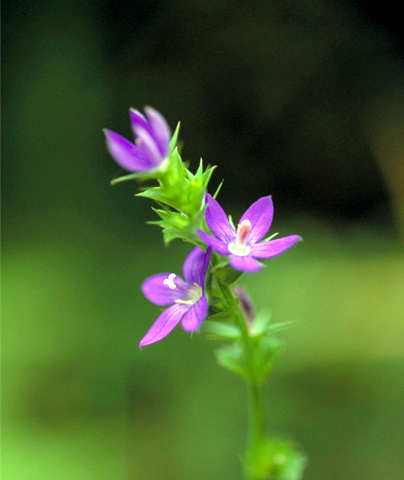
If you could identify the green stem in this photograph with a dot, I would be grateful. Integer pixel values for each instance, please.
(257, 420)
(257, 417)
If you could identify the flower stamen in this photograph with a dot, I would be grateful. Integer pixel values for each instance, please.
(185, 302)
(170, 281)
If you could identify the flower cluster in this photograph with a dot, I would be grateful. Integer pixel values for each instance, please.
(205, 224)
(221, 253)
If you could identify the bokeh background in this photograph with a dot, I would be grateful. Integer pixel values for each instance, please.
(302, 99)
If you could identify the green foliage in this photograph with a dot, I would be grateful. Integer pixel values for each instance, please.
(225, 273)
(180, 195)
(232, 358)
(178, 225)
(262, 325)
(277, 460)
(174, 138)
(266, 347)
(172, 185)
(222, 331)
(266, 353)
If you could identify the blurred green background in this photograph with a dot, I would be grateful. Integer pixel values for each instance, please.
(302, 99)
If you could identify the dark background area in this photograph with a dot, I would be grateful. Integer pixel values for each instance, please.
(279, 89)
(303, 100)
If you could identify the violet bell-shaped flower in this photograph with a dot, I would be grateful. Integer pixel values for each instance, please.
(187, 300)
(151, 147)
(244, 245)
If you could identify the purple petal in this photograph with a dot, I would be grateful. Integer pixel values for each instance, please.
(148, 146)
(274, 247)
(164, 324)
(260, 215)
(138, 120)
(214, 243)
(126, 153)
(158, 292)
(195, 315)
(161, 130)
(195, 266)
(246, 263)
(218, 222)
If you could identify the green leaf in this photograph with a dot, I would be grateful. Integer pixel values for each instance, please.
(232, 358)
(262, 325)
(177, 225)
(218, 189)
(266, 354)
(225, 273)
(142, 176)
(222, 331)
(156, 194)
(125, 178)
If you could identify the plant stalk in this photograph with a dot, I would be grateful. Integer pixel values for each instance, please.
(256, 429)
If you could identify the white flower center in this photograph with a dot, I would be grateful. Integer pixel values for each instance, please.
(194, 294)
(239, 246)
(190, 293)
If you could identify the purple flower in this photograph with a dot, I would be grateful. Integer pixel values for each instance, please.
(189, 304)
(151, 146)
(244, 245)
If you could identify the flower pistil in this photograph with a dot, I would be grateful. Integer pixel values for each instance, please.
(240, 245)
